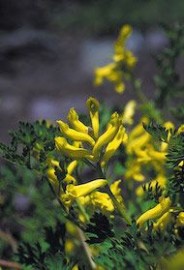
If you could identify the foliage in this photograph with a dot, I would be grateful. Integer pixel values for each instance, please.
(106, 16)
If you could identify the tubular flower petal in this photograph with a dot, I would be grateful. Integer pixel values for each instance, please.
(51, 173)
(176, 261)
(69, 179)
(120, 87)
(116, 190)
(131, 60)
(85, 189)
(121, 53)
(71, 167)
(53, 163)
(73, 118)
(163, 221)
(73, 134)
(108, 135)
(138, 142)
(71, 228)
(113, 145)
(93, 107)
(160, 180)
(125, 32)
(142, 155)
(123, 62)
(157, 211)
(127, 115)
(102, 201)
(180, 220)
(134, 172)
(103, 72)
(180, 129)
(84, 200)
(157, 155)
(112, 73)
(70, 150)
(138, 130)
(80, 134)
(65, 199)
(53, 179)
(69, 246)
(75, 267)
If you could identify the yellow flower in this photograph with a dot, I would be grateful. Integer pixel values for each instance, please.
(163, 221)
(71, 166)
(156, 155)
(180, 220)
(53, 179)
(160, 179)
(93, 107)
(73, 134)
(138, 142)
(129, 110)
(175, 261)
(103, 72)
(85, 189)
(121, 53)
(87, 142)
(125, 32)
(111, 73)
(180, 129)
(134, 172)
(155, 212)
(113, 146)
(142, 151)
(75, 267)
(70, 150)
(123, 61)
(69, 246)
(51, 173)
(65, 199)
(108, 135)
(74, 121)
(71, 228)
(116, 190)
(102, 201)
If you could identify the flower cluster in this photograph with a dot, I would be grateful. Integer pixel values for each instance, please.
(86, 142)
(142, 151)
(123, 62)
(81, 142)
(160, 212)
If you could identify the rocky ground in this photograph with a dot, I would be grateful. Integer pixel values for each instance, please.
(43, 74)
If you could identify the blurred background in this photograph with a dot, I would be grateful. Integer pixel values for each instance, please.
(49, 49)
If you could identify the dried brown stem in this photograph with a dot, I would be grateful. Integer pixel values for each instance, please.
(92, 265)
(7, 237)
(12, 265)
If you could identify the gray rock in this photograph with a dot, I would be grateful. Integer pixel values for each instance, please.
(10, 105)
(95, 53)
(53, 109)
(21, 202)
(155, 40)
(135, 42)
(28, 38)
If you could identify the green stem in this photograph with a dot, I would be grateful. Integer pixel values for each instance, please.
(87, 252)
(121, 209)
(82, 209)
(100, 171)
(136, 83)
(67, 214)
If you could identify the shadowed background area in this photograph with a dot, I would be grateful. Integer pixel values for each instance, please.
(49, 49)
